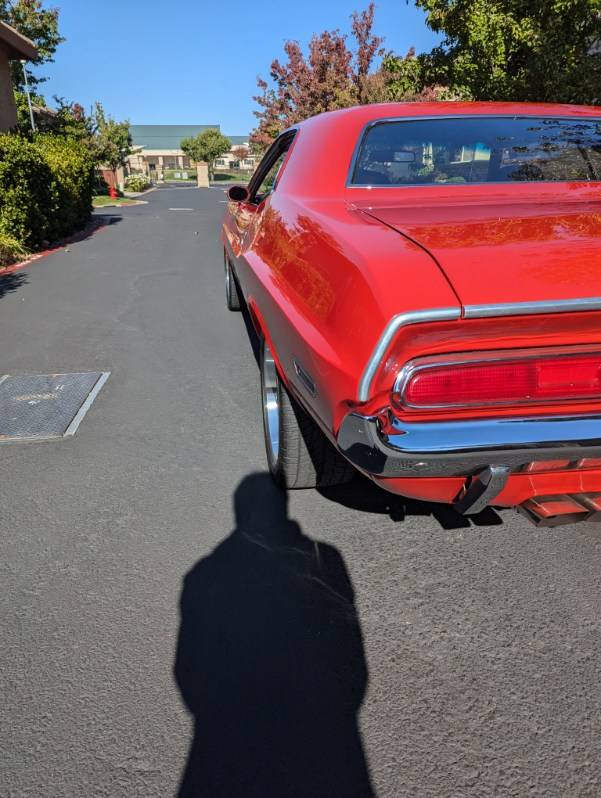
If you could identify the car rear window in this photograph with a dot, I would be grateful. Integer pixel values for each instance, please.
(478, 150)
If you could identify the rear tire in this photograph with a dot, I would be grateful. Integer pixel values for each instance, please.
(232, 297)
(298, 453)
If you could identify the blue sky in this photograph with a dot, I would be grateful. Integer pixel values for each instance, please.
(194, 62)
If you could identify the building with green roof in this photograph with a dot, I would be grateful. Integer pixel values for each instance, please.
(165, 137)
(157, 149)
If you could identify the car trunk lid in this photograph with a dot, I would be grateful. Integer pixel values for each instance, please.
(510, 251)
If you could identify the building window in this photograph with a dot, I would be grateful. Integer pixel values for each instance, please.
(234, 164)
(219, 162)
(248, 162)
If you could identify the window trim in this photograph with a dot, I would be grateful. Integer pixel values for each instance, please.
(429, 118)
(286, 139)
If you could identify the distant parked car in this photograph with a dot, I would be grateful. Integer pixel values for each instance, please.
(425, 280)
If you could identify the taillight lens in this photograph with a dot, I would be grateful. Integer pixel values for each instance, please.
(502, 382)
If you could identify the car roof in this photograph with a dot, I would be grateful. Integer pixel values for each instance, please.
(373, 112)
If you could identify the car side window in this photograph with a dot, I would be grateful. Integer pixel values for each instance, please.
(264, 180)
(270, 178)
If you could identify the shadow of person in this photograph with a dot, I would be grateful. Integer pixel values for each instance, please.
(270, 661)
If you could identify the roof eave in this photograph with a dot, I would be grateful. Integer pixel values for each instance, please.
(19, 47)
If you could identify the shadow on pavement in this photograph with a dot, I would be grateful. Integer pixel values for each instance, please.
(102, 218)
(11, 282)
(270, 661)
(361, 494)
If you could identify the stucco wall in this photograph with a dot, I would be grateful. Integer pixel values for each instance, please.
(8, 111)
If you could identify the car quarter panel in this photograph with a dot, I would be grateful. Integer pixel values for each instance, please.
(326, 280)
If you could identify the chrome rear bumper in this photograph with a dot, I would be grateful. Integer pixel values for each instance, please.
(464, 448)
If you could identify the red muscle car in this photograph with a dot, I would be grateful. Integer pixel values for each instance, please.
(425, 281)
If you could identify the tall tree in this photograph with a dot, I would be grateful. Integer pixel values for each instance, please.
(40, 25)
(517, 49)
(111, 140)
(368, 48)
(330, 76)
(207, 146)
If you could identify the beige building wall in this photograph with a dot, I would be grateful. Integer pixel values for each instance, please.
(8, 109)
(248, 164)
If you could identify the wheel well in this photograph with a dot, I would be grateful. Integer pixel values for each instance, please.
(263, 332)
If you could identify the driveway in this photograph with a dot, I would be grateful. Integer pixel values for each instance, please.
(369, 647)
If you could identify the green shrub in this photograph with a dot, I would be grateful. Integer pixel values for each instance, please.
(11, 250)
(27, 192)
(46, 188)
(73, 171)
(137, 183)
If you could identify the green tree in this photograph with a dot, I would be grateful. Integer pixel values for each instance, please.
(548, 50)
(403, 75)
(40, 25)
(207, 146)
(72, 121)
(66, 119)
(23, 126)
(405, 79)
(111, 140)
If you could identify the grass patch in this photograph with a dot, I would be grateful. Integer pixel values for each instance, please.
(11, 250)
(101, 201)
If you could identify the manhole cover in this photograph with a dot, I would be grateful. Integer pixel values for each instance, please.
(46, 406)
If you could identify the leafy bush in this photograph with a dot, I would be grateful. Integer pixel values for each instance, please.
(11, 250)
(73, 170)
(46, 188)
(27, 193)
(137, 183)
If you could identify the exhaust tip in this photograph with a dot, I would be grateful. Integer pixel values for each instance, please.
(551, 511)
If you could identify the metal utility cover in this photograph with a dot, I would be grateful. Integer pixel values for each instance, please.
(46, 406)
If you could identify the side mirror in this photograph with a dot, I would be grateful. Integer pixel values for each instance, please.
(238, 193)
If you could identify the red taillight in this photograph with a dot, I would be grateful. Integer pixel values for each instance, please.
(498, 382)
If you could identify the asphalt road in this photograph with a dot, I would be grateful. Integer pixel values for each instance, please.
(370, 648)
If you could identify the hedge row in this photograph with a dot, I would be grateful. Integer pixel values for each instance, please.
(46, 188)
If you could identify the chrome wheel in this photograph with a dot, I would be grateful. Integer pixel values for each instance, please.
(298, 453)
(271, 404)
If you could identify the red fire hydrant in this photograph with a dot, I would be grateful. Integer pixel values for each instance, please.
(113, 192)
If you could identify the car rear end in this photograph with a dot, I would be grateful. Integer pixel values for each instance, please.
(497, 399)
